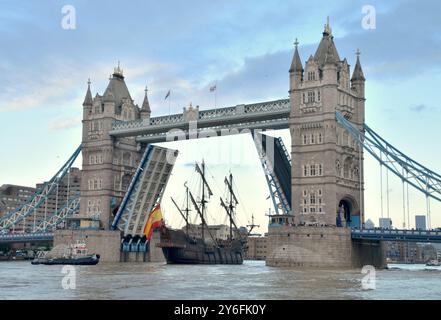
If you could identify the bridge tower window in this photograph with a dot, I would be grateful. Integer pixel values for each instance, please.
(305, 139)
(312, 170)
(305, 171)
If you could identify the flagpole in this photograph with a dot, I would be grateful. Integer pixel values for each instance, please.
(215, 94)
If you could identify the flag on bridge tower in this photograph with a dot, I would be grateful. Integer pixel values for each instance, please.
(153, 222)
(214, 89)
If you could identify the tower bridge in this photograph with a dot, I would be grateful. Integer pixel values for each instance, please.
(317, 185)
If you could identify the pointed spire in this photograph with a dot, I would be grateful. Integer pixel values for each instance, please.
(358, 72)
(328, 30)
(326, 51)
(118, 71)
(296, 65)
(88, 99)
(145, 104)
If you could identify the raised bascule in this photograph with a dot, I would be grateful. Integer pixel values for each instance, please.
(317, 189)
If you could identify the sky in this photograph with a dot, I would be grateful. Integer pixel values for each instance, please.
(245, 48)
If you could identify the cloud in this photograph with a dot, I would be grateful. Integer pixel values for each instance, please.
(418, 108)
(64, 123)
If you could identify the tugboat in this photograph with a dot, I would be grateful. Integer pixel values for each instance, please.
(75, 254)
(433, 263)
(179, 247)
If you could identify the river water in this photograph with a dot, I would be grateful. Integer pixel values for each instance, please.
(252, 280)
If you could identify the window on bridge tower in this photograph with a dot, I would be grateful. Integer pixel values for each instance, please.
(305, 171)
(305, 139)
(338, 168)
(312, 170)
(312, 198)
(127, 158)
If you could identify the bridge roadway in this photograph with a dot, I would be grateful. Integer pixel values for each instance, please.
(432, 236)
(264, 115)
(397, 235)
(26, 237)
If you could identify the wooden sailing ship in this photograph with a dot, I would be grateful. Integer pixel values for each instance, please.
(179, 247)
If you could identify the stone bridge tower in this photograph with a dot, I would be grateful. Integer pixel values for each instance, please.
(327, 171)
(108, 163)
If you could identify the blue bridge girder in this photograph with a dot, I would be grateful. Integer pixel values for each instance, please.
(396, 235)
(408, 170)
(276, 164)
(14, 217)
(26, 237)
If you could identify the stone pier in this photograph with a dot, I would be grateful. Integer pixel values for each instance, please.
(105, 243)
(108, 245)
(320, 247)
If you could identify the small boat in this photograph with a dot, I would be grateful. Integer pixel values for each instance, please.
(433, 263)
(75, 254)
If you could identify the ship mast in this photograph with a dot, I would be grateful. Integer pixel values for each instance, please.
(204, 223)
(252, 225)
(203, 201)
(185, 216)
(187, 210)
(231, 204)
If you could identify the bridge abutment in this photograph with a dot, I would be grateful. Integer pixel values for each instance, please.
(320, 247)
(369, 253)
(103, 242)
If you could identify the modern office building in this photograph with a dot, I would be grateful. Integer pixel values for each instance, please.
(385, 223)
(257, 248)
(420, 222)
(13, 197)
(369, 224)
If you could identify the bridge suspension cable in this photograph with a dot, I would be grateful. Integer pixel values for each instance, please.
(420, 177)
(12, 218)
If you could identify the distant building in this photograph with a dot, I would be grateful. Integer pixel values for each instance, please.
(257, 248)
(68, 188)
(369, 224)
(420, 222)
(429, 252)
(404, 252)
(13, 197)
(385, 223)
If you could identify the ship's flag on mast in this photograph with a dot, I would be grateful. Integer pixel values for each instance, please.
(153, 222)
(167, 95)
(213, 88)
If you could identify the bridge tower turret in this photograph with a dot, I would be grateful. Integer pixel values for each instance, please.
(108, 163)
(145, 109)
(327, 180)
(296, 70)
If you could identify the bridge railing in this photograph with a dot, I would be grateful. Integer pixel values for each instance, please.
(397, 232)
(206, 115)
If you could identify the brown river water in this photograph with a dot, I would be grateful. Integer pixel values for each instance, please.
(252, 280)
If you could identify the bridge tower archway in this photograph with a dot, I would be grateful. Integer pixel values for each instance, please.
(348, 212)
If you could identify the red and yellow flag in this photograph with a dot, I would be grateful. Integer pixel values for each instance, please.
(154, 221)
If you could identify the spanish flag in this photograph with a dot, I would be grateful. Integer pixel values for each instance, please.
(154, 221)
